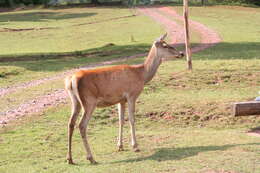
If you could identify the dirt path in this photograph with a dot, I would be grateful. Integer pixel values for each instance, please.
(174, 30)
(209, 38)
(38, 104)
(7, 90)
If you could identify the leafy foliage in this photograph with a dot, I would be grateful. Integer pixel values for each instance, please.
(124, 2)
(255, 2)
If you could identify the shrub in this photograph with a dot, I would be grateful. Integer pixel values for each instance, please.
(255, 2)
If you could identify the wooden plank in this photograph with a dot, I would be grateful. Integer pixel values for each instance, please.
(246, 108)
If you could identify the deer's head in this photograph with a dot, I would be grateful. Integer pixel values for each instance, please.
(166, 51)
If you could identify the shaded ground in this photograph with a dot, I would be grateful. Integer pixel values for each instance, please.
(254, 132)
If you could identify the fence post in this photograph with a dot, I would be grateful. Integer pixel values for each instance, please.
(187, 34)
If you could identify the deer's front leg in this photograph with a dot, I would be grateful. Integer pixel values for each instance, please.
(121, 113)
(131, 111)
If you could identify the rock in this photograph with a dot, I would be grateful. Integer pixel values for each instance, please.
(3, 122)
(257, 98)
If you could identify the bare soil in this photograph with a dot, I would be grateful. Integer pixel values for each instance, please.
(209, 37)
(51, 99)
(7, 90)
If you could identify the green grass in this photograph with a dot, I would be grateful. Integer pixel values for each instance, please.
(238, 27)
(39, 53)
(184, 119)
(68, 37)
(39, 145)
(15, 72)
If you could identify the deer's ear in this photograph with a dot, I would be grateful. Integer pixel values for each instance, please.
(162, 37)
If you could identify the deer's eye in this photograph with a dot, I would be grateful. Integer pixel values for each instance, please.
(164, 45)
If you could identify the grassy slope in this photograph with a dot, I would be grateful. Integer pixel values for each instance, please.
(67, 38)
(172, 100)
(40, 65)
(237, 26)
(123, 33)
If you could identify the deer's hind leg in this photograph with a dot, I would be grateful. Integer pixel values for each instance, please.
(88, 110)
(131, 114)
(121, 113)
(75, 110)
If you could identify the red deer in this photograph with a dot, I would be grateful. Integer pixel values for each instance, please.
(107, 86)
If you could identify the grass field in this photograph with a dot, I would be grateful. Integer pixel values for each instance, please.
(35, 54)
(40, 146)
(184, 121)
(78, 29)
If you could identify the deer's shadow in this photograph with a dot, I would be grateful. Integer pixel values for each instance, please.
(164, 154)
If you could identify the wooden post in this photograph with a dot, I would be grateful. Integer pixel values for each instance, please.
(187, 34)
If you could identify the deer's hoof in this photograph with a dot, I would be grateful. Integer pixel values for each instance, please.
(137, 150)
(92, 161)
(70, 161)
(120, 148)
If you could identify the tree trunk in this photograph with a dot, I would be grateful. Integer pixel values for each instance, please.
(203, 2)
(187, 34)
(10, 3)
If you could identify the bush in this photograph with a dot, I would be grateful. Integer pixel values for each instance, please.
(255, 2)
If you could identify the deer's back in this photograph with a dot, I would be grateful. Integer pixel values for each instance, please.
(111, 85)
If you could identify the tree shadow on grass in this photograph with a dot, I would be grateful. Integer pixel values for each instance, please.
(104, 4)
(164, 154)
(199, 4)
(41, 16)
(229, 51)
(66, 60)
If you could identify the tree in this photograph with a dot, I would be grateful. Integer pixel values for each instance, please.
(95, 2)
(10, 3)
(203, 2)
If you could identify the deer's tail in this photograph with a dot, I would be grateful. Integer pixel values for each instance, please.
(71, 85)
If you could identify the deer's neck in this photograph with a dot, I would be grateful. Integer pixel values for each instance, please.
(151, 64)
